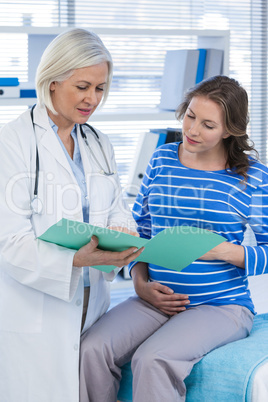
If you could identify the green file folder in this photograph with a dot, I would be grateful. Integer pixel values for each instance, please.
(173, 248)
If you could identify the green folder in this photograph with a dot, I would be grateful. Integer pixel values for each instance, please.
(173, 248)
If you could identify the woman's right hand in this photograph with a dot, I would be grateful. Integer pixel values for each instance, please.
(90, 255)
(160, 296)
(163, 298)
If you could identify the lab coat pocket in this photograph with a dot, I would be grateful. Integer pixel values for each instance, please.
(21, 307)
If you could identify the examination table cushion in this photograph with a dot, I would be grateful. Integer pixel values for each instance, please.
(226, 373)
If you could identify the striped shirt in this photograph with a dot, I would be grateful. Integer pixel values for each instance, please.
(172, 194)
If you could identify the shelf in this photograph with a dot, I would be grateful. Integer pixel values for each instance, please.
(17, 101)
(31, 30)
(212, 38)
(112, 115)
(39, 37)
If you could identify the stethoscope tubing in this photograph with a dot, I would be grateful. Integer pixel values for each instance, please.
(36, 160)
(102, 171)
(107, 172)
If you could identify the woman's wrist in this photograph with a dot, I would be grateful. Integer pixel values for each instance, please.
(231, 253)
(139, 275)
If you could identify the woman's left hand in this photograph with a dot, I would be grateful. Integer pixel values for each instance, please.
(226, 251)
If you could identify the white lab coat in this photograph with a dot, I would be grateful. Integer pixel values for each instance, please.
(41, 293)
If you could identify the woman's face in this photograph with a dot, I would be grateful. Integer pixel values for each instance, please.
(76, 98)
(203, 127)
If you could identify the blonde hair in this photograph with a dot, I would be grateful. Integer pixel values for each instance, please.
(76, 48)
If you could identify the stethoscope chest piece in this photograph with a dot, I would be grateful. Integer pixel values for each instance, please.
(36, 205)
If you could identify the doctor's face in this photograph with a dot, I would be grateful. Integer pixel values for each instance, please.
(76, 98)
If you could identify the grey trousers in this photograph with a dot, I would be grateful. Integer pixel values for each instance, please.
(163, 349)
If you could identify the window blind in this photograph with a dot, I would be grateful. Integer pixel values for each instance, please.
(139, 58)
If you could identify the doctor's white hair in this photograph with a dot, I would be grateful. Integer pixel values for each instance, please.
(76, 48)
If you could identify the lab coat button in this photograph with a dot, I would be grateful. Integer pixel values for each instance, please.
(78, 302)
(76, 347)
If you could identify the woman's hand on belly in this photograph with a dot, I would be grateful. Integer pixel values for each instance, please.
(162, 297)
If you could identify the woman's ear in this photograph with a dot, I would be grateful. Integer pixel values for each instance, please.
(226, 135)
(52, 86)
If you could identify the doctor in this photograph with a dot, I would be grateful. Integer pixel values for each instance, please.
(54, 166)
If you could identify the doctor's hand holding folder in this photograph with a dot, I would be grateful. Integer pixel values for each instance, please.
(91, 255)
(173, 248)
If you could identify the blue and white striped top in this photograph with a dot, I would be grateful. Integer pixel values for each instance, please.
(172, 194)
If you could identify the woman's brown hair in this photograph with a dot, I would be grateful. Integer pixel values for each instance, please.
(233, 100)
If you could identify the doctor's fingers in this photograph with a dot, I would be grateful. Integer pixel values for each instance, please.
(90, 255)
(84, 256)
(121, 258)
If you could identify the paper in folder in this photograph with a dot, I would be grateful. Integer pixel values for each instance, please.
(173, 248)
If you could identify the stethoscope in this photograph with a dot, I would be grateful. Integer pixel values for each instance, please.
(36, 204)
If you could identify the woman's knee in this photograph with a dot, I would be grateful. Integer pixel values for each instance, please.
(89, 345)
(145, 357)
